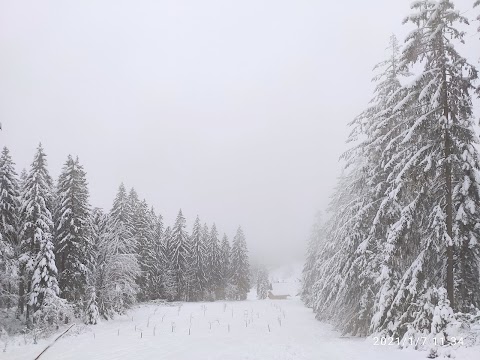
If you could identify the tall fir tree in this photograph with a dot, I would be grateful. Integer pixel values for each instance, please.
(240, 266)
(123, 261)
(9, 199)
(263, 283)
(402, 240)
(198, 261)
(155, 262)
(72, 238)
(44, 285)
(225, 273)
(142, 235)
(9, 229)
(438, 143)
(37, 260)
(213, 262)
(180, 256)
(120, 221)
(169, 281)
(309, 274)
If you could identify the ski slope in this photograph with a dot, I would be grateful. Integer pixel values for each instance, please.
(252, 329)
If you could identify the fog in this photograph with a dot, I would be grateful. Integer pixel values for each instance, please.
(235, 111)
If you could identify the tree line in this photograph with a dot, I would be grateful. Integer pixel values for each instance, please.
(398, 252)
(59, 257)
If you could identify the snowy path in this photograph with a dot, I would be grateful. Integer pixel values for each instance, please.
(299, 336)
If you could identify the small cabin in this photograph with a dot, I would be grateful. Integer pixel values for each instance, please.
(277, 297)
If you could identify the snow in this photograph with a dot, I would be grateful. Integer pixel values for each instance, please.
(146, 333)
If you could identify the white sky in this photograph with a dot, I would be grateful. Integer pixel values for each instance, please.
(233, 110)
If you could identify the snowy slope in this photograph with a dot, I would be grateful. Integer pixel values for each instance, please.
(299, 336)
(252, 329)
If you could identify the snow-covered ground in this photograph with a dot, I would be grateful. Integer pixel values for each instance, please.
(252, 329)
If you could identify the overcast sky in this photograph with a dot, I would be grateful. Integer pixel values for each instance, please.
(232, 110)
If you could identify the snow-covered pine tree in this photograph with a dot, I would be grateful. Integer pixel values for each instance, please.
(263, 283)
(240, 266)
(9, 270)
(225, 273)
(340, 281)
(120, 211)
(9, 199)
(213, 263)
(100, 286)
(123, 265)
(145, 246)
(180, 256)
(9, 229)
(435, 178)
(198, 261)
(309, 275)
(154, 261)
(169, 286)
(44, 280)
(92, 314)
(72, 240)
(205, 235)
(37, 259)
(120, 221)
(370, 211)
(133, 214)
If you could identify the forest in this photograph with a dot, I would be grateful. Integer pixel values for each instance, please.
(398, 251)
(62, 259)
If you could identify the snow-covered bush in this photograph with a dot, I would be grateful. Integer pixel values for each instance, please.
(92, 314)
(53, 313)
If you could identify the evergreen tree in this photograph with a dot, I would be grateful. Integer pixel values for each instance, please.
(180, 256)
(213, 262)
(8, 269)
(37, 266)
(403, 218)
(9, 199)
(155, 262)
(144, 246)
(9, 228)
(120, 211)
(99, 284)
(72, 241)
(439, 148)
(120, 221)
(115, 269)
(309, 275)
(263, 283)
(170, 285)
(119, 247)
(44, 280)
(225, 253)
(198, 262)
(240, 266)
(135, 219)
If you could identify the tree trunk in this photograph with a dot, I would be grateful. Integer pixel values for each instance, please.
(448, 195)
(448, 184)
(21, 297)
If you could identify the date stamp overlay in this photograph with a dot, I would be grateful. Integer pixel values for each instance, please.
(416, 342)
